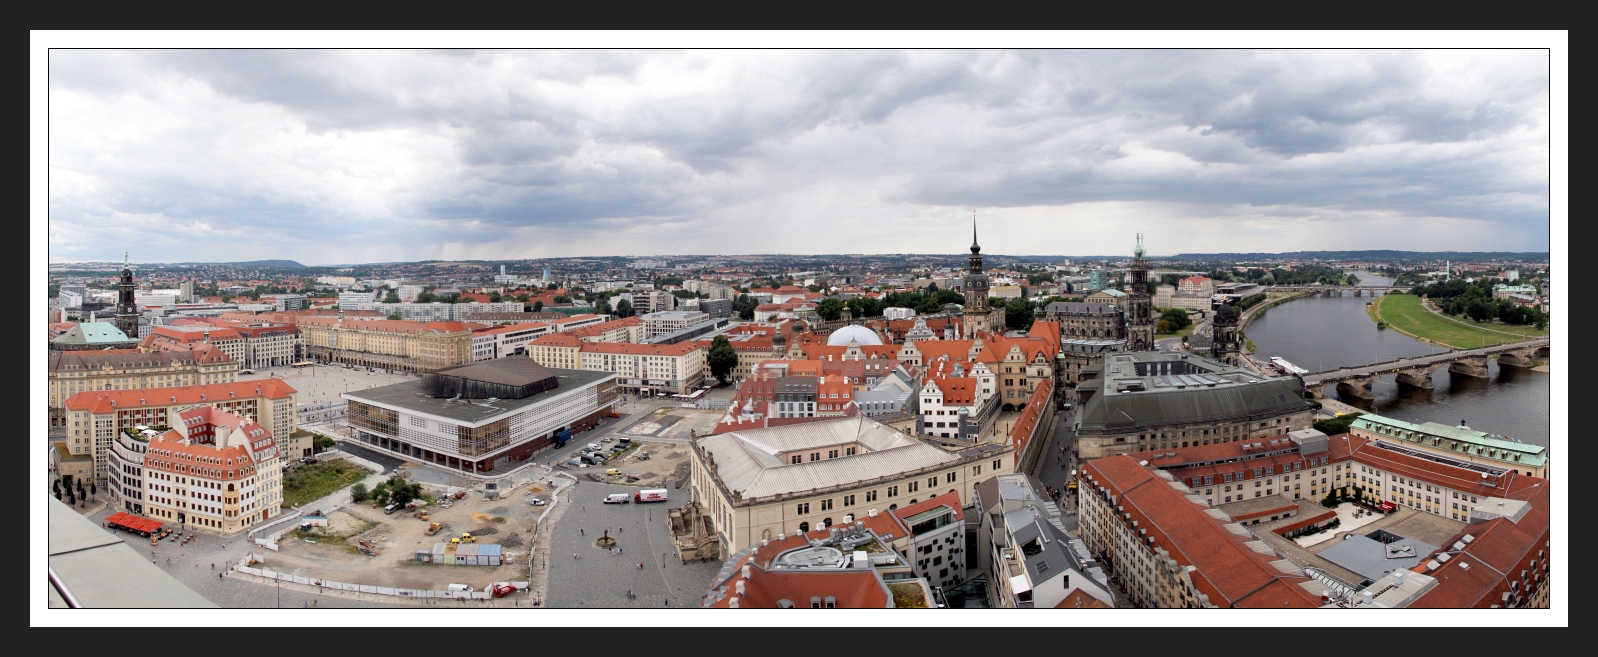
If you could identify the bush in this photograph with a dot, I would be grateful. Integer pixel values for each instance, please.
(359, 493)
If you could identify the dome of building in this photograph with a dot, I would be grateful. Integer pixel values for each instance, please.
(859, 334)
(1225, 312)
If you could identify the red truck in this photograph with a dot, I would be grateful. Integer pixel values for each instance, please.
(650, 495)
(502, 590)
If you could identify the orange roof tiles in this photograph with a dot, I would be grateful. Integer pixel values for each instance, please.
(679, 349)
(1081, 600)
(105, 401)
(950, 499)
(1224, 569)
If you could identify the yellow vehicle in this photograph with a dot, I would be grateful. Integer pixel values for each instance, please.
(432, 528)
(613, 471)
(466, 537)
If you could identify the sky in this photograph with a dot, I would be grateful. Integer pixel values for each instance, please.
(330, 157)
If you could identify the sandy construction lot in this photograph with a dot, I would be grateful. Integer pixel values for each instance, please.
(396, 538)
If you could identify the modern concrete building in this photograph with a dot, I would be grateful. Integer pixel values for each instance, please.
(481, 418)
(660, 323)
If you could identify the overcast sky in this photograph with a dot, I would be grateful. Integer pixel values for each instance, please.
(340, 157)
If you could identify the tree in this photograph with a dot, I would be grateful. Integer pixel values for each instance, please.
(426, 297)
(743, 305)
(538, 305)
(394, 315)
(830, 308)
(1018, 315)
(1175, 318)
(320, 443)
(93, 489)
(55, 487)
(624, 309)
(391, 297)
(552, 286)
(602, 307)
(721, 358)
(813, 287)
(563, 299)
(359, 493)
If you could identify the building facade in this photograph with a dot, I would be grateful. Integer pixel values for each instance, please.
(399, 345)
(96, 418)
(73, 372)
(447, 418)
(669, 368)
(213, 470)
(1142, 401)
(759, 483)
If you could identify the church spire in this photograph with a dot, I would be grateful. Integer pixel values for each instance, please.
(974, 247)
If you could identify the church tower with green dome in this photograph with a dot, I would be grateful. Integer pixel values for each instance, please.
(1139, 307)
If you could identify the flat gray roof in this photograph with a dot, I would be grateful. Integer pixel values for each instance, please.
(102, 571)
(410, 396)
(1373, 559)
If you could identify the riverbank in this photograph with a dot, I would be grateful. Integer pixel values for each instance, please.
(1259, 309)
(1406, 314)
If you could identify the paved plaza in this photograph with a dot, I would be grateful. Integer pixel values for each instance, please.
(319, 384)
(601, 578)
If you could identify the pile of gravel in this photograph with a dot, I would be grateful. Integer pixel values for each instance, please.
(513, 540)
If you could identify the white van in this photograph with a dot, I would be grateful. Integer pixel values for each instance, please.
(461, 587)
(617, 498)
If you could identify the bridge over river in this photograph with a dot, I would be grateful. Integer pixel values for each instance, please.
(1340, 290)
(1417, 371)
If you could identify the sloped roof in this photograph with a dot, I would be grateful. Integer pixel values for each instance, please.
(746, 459)
(92, 333)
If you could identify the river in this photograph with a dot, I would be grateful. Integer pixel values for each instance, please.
(1319, 333)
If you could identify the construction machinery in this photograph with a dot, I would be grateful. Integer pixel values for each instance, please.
(422, 515)
(434, 527)
(466, 537)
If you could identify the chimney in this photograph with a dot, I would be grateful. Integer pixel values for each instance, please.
(733, 601)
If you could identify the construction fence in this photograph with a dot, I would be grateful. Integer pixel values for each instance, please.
(376, 590)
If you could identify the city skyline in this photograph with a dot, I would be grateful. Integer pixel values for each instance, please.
(402, 156)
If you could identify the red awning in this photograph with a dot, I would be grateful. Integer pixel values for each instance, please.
(1387, 506)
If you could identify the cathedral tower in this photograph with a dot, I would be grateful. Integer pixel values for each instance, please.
(976, 290)
(1139, 307)
(127, 318)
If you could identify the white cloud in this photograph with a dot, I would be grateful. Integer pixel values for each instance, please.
(394, 155)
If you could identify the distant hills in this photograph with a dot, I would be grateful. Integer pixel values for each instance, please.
(280, 264)
(1381, 255)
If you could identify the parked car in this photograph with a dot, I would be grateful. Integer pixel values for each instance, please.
(574, 462)
(594, 446)
(617, 498)
(390, 509)
(613, 471)
(535, 501)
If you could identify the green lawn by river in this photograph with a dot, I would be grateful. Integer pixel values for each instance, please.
(1404, 313)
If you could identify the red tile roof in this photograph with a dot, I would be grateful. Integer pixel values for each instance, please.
(1230, 573)
(950, 499)
(1081, 600)
(678, 349)
(101, 401)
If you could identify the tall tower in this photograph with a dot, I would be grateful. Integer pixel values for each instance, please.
(1139, 307)
(976, 289)
(127, 317)
(1227, 345)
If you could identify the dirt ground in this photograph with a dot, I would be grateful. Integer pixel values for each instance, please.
(397, 538)
(665, 459)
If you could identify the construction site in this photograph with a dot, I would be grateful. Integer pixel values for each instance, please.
(362, 544)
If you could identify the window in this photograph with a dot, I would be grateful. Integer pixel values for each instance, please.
(871, 496)
(949, 478)
(893, 491)
(913, 486)
(996, 465)
(797, 459)
(848, 451)
(848, 500)
(803, 508)
(932, 482)
(815, 456)
(826, 505)
(832, 453)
